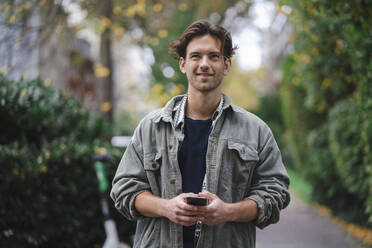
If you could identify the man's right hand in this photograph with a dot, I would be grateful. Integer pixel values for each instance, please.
(175, 209)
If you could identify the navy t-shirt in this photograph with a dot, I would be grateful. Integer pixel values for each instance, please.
(191, 159)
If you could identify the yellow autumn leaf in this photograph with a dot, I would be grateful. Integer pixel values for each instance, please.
(305, 58)
(47, 82)
(6, 9)
(157, 7)
(27, 5)
(141, 9)
(315, 51)
(157, 89)
(340, 44)
(59, 29)
(100, 150)
(132, 106)
(292, 37)
(117, 10)
(15, 172)
(100, 71)
(12, 19)
(183, 6)
(314, 38)
(154, 41)
(296, 81)
(349, 79)
(132, 10)
(320, 107)
(326, 83)
(105, 21)
(23, 93)
(162, 33)
(106, 106)
(4, 69)
(176, 89)
(119, 31)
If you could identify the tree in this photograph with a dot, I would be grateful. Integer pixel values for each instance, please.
(326, 95)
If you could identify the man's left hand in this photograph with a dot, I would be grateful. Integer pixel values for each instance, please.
(217, 211)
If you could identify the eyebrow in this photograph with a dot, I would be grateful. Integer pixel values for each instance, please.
(213, 52)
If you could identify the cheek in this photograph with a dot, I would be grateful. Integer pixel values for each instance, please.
(191, 68)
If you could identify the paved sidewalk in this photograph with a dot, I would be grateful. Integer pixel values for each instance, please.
(301, 226)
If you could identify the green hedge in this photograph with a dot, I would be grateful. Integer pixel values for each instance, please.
(327, 102)
(49, 192)
(269, 110)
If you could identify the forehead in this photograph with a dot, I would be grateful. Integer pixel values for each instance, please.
(204, 44)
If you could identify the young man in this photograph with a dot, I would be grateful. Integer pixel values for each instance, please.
(200, 144)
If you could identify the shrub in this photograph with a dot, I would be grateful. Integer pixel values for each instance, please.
(327, 107)
(49, 190)
(347, 148)
(269, 110)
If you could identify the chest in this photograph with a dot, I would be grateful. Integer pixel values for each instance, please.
(230, 164)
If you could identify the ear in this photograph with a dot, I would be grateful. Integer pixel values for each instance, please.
(181, 62)
(227, 65)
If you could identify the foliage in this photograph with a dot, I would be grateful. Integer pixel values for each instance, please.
(326, 93)
(300, 185)
(124, 125)
(240, 86)
(48, 184)
(269, 111)
(168, 79)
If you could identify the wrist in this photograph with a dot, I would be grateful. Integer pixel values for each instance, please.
(230, 212)
(162, 207)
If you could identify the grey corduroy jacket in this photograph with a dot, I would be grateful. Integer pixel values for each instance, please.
(242, 161)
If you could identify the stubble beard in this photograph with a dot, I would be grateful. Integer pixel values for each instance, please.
(206, 86)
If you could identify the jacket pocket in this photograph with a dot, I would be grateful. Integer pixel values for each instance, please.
(152, 166)
(152, 161)
(238, 164)
(245, 152)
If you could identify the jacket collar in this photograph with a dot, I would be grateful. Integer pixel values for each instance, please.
(174, 110)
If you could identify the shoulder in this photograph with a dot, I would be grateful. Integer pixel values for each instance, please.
(150, 119)
(245, 117)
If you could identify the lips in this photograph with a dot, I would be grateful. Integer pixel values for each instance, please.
(204, 74)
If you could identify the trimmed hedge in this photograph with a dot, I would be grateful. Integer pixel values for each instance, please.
(49, 191)
(327, 102)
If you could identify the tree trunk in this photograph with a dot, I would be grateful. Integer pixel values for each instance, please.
(107, 85)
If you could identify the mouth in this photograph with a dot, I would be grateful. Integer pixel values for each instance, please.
(204, 74)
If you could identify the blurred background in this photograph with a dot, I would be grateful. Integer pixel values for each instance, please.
(74, 73)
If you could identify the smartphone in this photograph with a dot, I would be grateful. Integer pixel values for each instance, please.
(197, 200)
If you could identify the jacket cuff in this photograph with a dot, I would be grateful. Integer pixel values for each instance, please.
(132, 208)
(261, 218)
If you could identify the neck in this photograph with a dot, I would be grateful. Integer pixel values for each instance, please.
(201, 106)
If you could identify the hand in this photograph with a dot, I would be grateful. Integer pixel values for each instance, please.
(217, 211)
(178, 211)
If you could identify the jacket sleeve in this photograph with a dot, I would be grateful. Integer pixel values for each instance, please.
(130, 179)
(270, 182)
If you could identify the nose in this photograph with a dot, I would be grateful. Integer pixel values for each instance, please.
(204, 64)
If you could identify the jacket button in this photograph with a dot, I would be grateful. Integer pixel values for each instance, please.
(172, 180)
(170, 146)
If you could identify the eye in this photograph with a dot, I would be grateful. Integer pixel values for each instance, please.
(215, 56)
(195, 56)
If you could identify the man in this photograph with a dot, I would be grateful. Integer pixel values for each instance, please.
(200, 144)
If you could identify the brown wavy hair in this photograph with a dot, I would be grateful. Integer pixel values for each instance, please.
(200, 28)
